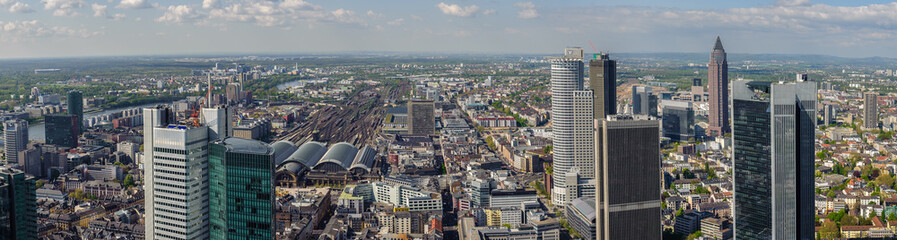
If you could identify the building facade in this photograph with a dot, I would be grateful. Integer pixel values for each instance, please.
(773, 141)
(241, 173)
(678, 120)
(627, 202)
(18, 207)
(15, 136)
(870, 110)
(643, 102)
(63, 130)
(603, 82)
(75, 104)
(421, 117)
(571, 120)
(718, 85)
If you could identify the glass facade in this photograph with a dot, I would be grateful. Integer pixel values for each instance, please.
(242, 190)
(63, 130)
(752, 159)
(18, 208)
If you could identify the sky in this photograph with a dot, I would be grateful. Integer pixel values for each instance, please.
(76, 28)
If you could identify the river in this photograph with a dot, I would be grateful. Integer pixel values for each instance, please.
(37, 131)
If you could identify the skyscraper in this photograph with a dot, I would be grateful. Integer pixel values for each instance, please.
(678, 120)
(627, 203)
(773, 156)
(571, 121)
(233, 92)
(76, 106)
(62, 130)
(870, 110)
(220, 121)
(421, 117)
(603, 82)
(15, 136)
(643, 102)
(176, 183)
(241, 174)
(718, 85)
(830, 114)
(18, 208)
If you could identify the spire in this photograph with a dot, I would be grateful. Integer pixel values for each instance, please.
(718, 45)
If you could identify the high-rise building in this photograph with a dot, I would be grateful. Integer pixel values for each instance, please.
(62, 130)
(696, 82)
(233, 92)
(628, 172)
(76, 106)
(678, 120)
(571, 121)
(718, 86)
(241, 181)
(176, 183)
(643, 102)
(773, 158)
(15, 136)
(603, 82)
(220, 121)
(830, 114)
(18, 207)
(421, 117)
(870, 110)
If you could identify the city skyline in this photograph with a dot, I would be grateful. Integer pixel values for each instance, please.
(145, 27)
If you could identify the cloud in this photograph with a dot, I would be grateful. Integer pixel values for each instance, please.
(4, 3)
(134, 4)
(20, 7)
(63, 7)
(283, 14)
(458, 11)
(15, 31)
(793, 2)
(488, 12)
(396, 22)
(210, 4)
(99, 10)
(527, 10)
(178, 14)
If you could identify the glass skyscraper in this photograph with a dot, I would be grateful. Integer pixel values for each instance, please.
(63, 130)
(773, 138)
(18, 207)
(75, 105)
(241, 189)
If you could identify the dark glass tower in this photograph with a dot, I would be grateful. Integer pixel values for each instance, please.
(627, 199)
(241, 189)
(773, 137)
(76, 106)
(18, 210)
(62, 130)
(603, 82)
(678, 120)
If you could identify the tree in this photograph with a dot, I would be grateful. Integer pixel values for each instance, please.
(687, 174)
(128, 182)
(39, 184)
(829, 230)
(695, 235)
(547, 148)
(490, 143)
(849, 221)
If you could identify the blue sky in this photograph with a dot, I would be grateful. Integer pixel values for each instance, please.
(64, 28)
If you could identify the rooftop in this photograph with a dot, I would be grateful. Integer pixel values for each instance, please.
(241, 145)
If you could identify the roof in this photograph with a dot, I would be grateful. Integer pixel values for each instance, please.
(364, 159)
(249, 146)
(585, 206)
(718, 45)
(283, 150)
(308, 154)
(341, 154)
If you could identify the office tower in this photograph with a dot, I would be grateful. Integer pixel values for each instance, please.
(175, 177)
(571, 117)
(18, 208)
(643, 102)
(580, 215)
(15, 136)
(773, 158)
(696, 82)
(830, 114)
(678, 120)
(718, 85)
(241, 175)
(627, 165)
(62, 130)
(422, 118)
(802, 77)
(233, 92)
(76, 106)
(603, 82)
(220, 121)
(870, 110)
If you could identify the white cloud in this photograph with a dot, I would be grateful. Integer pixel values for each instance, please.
(4, 3)
(63, 7)
(20, 7)
(178, 14)
(22, 30)
(488, 12)
(527, 10)
(210, 4)
(396, 22)
(458, 11)
(134, 4)
(283, 14)
(99, 10)
(793, 2)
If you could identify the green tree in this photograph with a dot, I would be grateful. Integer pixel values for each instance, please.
(490, 143)
(695, 235)
(128, 182)
(849, 221)
(547, 148)
(39, 184)
(829, 230)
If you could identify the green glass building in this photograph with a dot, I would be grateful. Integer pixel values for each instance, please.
(18, 210)
(75, 104)
(241, 187)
